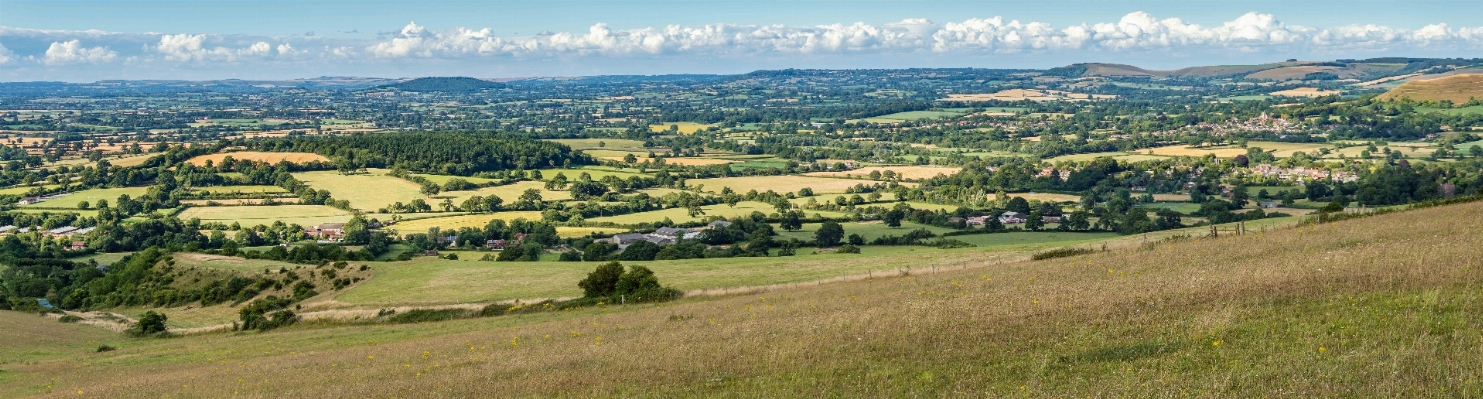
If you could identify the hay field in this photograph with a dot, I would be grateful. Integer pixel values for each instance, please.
(1457, 88)
(906, 172)
(684, 127)
(779, 184)
(1121, 156)
(681, 215)
(270, 157)
(367, 192)
(509, 192)
(70, 201)
(1278, 149)
(456, 222)
(303, 215)
(133, 160)
(1324, 310)
(597, 173)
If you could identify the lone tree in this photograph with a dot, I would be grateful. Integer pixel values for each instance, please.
(893, 218)
(638, 284)
(829, 234)
(150, 323)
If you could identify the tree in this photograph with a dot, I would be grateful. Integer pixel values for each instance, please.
(357, 231)
(493, 203)
(1239, 196)
(150, 323)
(529, 200)
(1018, 204)
(893, 218)
(582, 190)
(1033, 221)
(630, 158)
(641, 250)
(791, 221)
(601, 283)
(829, 234)
(1079, 220)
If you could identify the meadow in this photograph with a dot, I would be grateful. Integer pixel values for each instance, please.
(461, 221)
(252, 215)
(778, 184)
(684, 127)
(368, 191)
(509, 192)
(1361, 308)
(71, 201)
(682, 215)
(905, 172)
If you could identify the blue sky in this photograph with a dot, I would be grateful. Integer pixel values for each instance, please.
(92, 40)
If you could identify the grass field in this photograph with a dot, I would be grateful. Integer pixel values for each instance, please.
(779, 184)
(269, 157)
(303, 215)
(1181, 207)
(19, 190)
(681, 215)
(1363, 308)
(509, 192)
(597, 173)
(461, 221)
(92, 196)
(442, 179)
(868, 230)
(684, 127)
(913, 116)
(242, 189)
(367, 192)
(906, 172)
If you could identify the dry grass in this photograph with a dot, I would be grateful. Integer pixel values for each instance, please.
(906, 172)
(1306, 92)
(252, 215)
(269, 157)
(1366, 308)
(1458, 88)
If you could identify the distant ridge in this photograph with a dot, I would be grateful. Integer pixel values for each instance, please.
(445, 85)
(1457, 88)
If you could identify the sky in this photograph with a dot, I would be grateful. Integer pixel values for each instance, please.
(85, 41)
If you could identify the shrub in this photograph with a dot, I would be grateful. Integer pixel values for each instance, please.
(1062, 253)
(69, 319)
(105, 348)
(151, 324)
(601, 282)
(848, 249)
(427, 315)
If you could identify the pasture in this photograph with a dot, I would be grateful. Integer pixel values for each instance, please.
(70, 201)
(779, 184)
(449, 223)
(681, 215)
(247, 216)
(905, 172)
(910, 116)
(240, 189)
(597, 173)
(367, 192)
(269, 157)
(509, 192)
(683, 127)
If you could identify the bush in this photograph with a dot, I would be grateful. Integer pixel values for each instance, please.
(601, 282)
(69, 319)
(427, 315)
(1062, 253)
(848, 249)
(151, 324)
(105, 348)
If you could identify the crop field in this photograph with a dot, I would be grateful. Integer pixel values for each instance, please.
(303, 215)
(70, 201)
(1306, 92)
(461, 221)
(270, 157)
(1278, 149)
(779, 184)
(232, 263)
(366, 192)
(684, 127)
(597, 173)
(242, 189)
(442, 179)
(906, 172)
(681, 215)
(509, 192)
(686, 161)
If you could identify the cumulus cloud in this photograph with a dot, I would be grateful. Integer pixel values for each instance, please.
(5, 55)
(72, 52)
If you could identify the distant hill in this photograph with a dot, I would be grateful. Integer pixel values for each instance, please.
(446, 85)
(1457, 88)
(1275, 71)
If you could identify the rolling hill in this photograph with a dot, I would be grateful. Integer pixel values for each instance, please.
(1358, 308)
(446, 85)
(1456, 88)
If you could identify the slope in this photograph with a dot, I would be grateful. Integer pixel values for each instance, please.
(1457, 88)
(1386, 306)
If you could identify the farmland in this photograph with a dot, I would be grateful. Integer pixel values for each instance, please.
(780, 184)
(905, 172)
(369, 191)
(303, 215)
(269, 157)
(461, 221)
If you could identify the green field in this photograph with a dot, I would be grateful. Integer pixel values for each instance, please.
(443, 179)
(460, 221)
(242, 189)
(20, 190)
(1473, 110)
(509, 192)
(1181, 207)
(681, 215)
(367, 192)
(778, 184)
(92, 196)
(303, 215)
(869, 230)
(913, 116)
(597, 173)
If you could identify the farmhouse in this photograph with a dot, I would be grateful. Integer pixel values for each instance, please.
(1011, 217)
(326, 231)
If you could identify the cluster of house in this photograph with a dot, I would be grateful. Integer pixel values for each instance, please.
(64, 231)
(1006, 218)
(33, 200)
(665, 235)
(326, 232)
(1301, 173)
(1261, 123)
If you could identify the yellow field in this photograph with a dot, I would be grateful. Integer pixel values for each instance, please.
(132, 160)
(906, 172)
(508, 192)
(1046, 197)
(779, 184)
(269, 157)
(456, 222)
(303, 215)
(367, 192)
(684, 127)
(1458, 88)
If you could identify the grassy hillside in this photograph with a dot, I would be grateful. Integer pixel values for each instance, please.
(1386, 306)
(1458, 88)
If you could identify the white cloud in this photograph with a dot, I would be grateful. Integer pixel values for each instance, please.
(72, 52)
(188, 48)
(5, 54)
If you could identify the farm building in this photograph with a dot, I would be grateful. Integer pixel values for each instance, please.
(326, 231)
(1011, 217)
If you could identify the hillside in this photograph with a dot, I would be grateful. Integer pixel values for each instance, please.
(1457, 88)
(446, 85)
(1361, 308)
